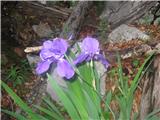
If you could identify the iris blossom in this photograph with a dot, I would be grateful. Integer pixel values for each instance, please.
(53, 52)
(90, 51)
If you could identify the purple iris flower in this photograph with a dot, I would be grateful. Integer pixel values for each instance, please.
(90, 51)
(53, 52)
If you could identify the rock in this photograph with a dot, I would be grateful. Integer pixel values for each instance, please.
(33, 60)
(124, 12)
(126, 33)
(42, 30)
(157, 21)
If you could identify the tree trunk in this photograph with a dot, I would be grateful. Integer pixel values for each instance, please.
(76, 19)
(150, 100)
(120, 12)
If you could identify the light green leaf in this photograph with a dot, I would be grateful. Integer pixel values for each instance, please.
(64, 99)
(52, 106)
(48, 112)
(15, 115)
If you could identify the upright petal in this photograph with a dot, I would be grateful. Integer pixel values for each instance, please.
(64, 69)
(45, 54)
(90, 45)
(60, 45)
(43, 66)
(47, 44)
(102, 59)
(79, 59)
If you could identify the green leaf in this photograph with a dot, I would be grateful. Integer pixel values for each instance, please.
(120, 73)
(108, 99)
(136, 79)
(64, 99)
(88, 80)
(76, 87)
(52, 106)
(92, 109)
(15, 115)
(94, 95)
(78, 104)
(122, 105)
(48, 112)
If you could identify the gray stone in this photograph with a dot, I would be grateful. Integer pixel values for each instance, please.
(124, 12)
(42, 30)
(157, 21)
(126, 33)
(33, 60)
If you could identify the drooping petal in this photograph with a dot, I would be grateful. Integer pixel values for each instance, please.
(102, 59)
(60, 46)
(47, 44)
(64, 69)
(45, 54)
(90, 45)
(43, 66)
(79, 59)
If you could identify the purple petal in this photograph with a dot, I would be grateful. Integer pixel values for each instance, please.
(64, 69)
(90, 45)
(47, 44)
(60, 46)
(102, 59)
(80, 58)
(43, 66)
(45, 54)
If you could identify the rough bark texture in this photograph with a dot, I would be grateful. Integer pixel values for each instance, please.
(119, 12)
(150, 100)
(42, 10)
(76, 20)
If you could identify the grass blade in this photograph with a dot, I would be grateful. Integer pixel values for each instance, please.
(120, 73)
(136, 79)
(94, 114)
(108, 99)
(77, 102)
(48, 112)
(15, 115)
(64, 99)
(52, 106)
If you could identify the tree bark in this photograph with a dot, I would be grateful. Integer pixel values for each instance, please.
(120, 12)
(76, 19)
(42, 10)
(150, 100)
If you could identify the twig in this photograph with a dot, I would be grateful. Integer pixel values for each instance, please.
(32, 49)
